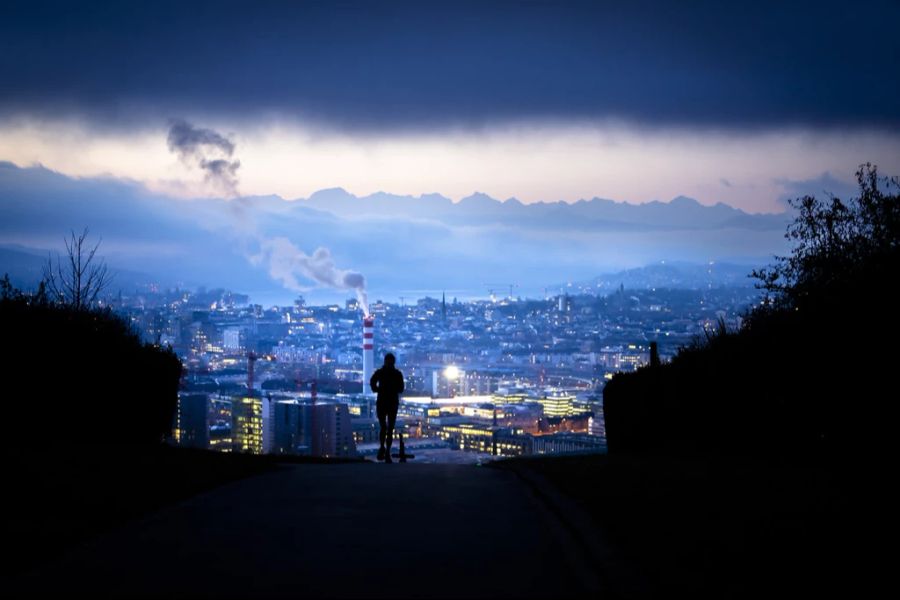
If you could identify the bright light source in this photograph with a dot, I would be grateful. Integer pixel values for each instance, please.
(451, 373)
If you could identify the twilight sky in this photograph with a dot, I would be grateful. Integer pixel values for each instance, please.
(537, 100)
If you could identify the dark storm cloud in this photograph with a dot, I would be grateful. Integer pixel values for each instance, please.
(372, 65)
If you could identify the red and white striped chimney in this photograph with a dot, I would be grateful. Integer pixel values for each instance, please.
(368, 352)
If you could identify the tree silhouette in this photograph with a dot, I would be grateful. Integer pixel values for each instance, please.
(88, 368)
(833, 240)
(78, 281)
(807, 373)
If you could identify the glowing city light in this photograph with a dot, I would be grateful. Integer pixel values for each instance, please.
(451, 373)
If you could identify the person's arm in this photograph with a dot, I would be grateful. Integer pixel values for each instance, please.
(402, 385)
(373, 382)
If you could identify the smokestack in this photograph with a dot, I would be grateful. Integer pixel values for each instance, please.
(368, 352)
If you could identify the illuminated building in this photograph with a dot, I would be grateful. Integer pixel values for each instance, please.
(220, 438)
(487, 439)
(321, 430)
(567, 443)
(481, 411)
(558, 404)
(623, 359)
(232, 339)
(455, 404)
(597, 425)
(268, 418)
(451, 381)
(365, 431)
(472, 437)
(526, 416)
(577, 423)
(192, 429)
(220, 424)
(247, 425)
(416, 410)
(333, 433)
(289, 436)
(512, 442)
(360, 405)
(473, 384)
(510, 396)
(446, 382)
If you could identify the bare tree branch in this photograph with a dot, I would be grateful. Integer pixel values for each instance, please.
(82, 279)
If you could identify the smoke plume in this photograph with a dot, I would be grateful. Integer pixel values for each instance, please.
(213, 152)
(286, 262)
(208, 150)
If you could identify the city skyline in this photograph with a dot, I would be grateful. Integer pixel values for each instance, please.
(484, 379)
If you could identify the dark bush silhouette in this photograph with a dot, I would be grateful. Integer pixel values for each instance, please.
(811, 371)
(80, 376)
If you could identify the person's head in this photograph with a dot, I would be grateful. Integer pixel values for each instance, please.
(389, 359)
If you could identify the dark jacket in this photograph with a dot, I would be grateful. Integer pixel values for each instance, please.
(387, 382)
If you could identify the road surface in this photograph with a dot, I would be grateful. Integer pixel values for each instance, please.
(338, 530)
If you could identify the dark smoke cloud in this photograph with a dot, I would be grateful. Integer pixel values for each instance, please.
(189, 140)
(207, 150)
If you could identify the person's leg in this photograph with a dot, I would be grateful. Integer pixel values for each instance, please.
(391, 421)
(382, 430)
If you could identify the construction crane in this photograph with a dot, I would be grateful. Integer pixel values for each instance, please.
(493, 286)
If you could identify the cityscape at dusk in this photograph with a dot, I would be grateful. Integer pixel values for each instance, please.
(427, 299)
(503, 370)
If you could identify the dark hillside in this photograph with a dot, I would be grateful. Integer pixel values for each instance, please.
(81, 376)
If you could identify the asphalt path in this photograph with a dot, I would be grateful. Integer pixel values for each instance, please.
(353, 530)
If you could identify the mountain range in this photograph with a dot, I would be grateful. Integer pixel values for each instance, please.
(403, 245)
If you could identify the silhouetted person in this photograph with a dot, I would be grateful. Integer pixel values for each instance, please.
(387, 382)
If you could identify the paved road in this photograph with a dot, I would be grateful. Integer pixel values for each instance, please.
(337, 530)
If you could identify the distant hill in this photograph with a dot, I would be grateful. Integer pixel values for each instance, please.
(674, 275)
(25, 269)
(23, 265)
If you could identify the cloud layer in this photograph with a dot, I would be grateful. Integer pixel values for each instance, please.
(420, 65)
(528, 163)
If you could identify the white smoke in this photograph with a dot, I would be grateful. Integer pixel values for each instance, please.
(212, 152)
(286, 262)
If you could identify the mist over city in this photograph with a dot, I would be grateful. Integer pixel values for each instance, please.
(325, 294)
